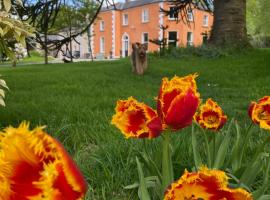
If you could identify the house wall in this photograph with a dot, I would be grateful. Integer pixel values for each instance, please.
(115, 30)
(107, 34)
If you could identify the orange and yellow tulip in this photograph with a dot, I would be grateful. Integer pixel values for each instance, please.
(178, 101)
(260, 112)
(210, 116)
(35, 166)
(136, 120)
(205, 184)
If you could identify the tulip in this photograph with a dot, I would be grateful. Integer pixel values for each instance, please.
(210, 116)
(178, 101)
(260, 112)
(136, 120)
(205, 184)
(35, 166)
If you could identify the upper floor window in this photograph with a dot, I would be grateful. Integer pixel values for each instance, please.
(173, 13)
(190, 39)
(145, 15)
(145, 39)
(102, 45)
(101, 25)
(190, 16)
(125, 19)
(205, 20)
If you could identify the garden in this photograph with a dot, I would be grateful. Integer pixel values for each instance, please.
(81, 104)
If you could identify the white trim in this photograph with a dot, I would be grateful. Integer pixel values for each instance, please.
(161, 22)
(113, 33)
(92, 38)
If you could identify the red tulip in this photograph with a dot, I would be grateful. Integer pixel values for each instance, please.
(136, 120)
(260, 112)
(178, 101)
(33, 165)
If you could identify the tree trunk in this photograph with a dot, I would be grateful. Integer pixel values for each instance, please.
(229, 23)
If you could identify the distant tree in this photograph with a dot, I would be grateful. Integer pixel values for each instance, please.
(229, 19)
(72, 18)
(258, 15)
(162, 43)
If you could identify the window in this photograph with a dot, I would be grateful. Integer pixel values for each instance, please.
(102, 45)
(101, 25)
(205, 20)
(145, 39)
(172, 39)
(189, 39)
(173, 13)
(145, 15)
(190, 15)
(125, 19)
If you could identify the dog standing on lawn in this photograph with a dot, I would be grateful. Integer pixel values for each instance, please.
(139, 58)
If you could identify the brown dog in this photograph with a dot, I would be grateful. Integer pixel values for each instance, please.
(139, 58)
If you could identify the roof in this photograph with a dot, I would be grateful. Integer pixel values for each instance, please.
(137, 3)
(130, 4)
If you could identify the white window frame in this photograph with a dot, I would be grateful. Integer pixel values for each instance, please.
(125, 19)
(143, 41)
(205, 20)
(190, 15)
(145, 15)
(102, 25)
(102, 45)
(191, 41)
(172, 18)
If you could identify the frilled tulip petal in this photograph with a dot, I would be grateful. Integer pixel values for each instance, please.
(34, 166)
(136, 120)
(260, 112)
(210, 116)
(182, 110)
(204, 184)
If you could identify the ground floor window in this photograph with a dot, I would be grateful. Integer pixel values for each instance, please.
(145, 39)
(172, 39)
(190, 39)
(102, 45)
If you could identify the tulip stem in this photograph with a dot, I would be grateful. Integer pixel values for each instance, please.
(214, 147)
(207, 150)
(167, 168)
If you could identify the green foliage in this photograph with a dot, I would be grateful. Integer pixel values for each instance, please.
(258, 23)
(76, 102)
(12, 31)
(204, 51)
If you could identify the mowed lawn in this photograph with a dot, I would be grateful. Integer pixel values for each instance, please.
(76, 102)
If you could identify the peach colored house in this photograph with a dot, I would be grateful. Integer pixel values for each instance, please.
(138, 21)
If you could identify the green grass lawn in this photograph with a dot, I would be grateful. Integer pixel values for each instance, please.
(76, 102)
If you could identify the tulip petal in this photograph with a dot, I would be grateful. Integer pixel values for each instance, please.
(35, 166)
(136, 120)
(210, 116)
(204, 184)
(182, 110)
